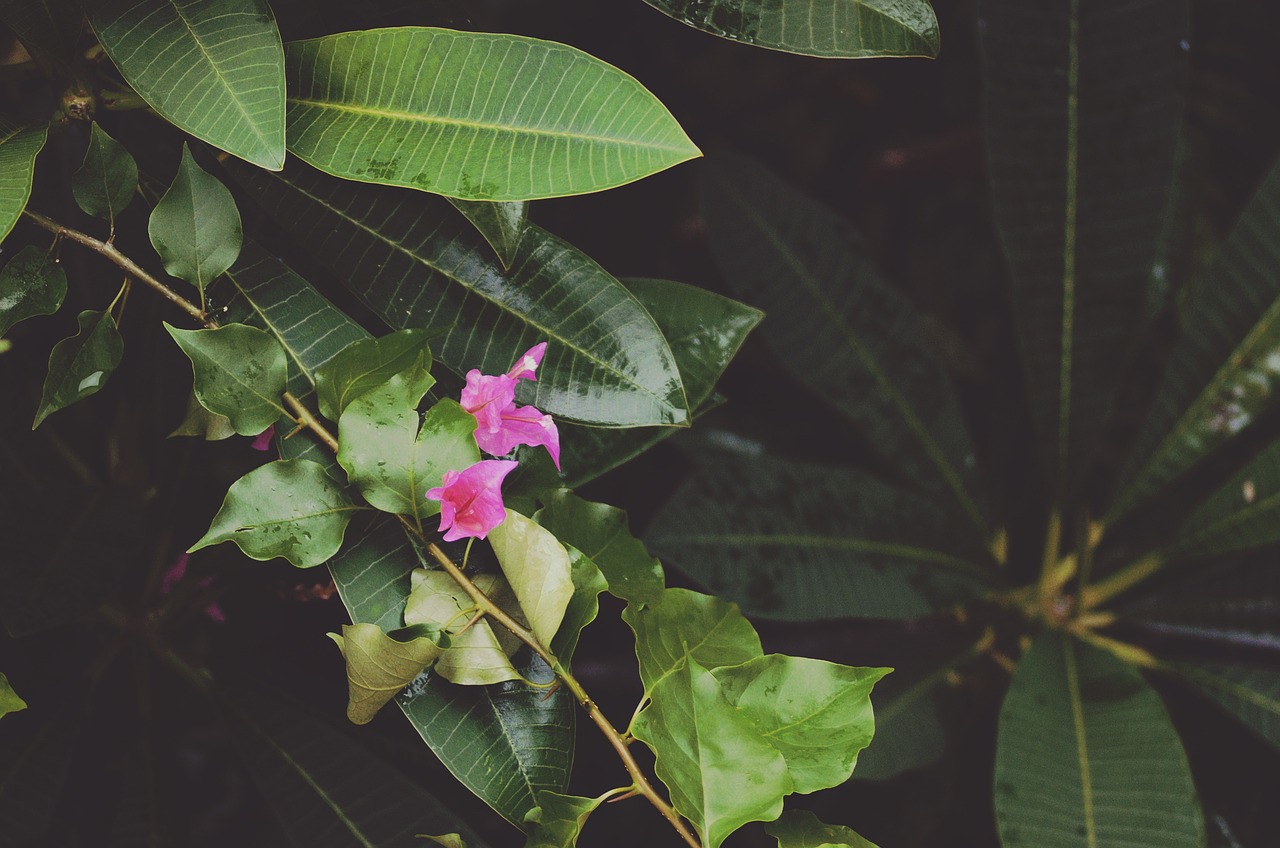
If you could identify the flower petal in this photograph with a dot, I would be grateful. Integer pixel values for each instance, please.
(526, 367)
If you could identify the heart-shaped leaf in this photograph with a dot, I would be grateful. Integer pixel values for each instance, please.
(106, 180)
(802, 829)
(480, 656)
(380, 664)
(537, 566)
(196, 227)
(367, 364)
(31, 284)
(602, 534)
(240, 372)
(79, 366)
(682, 624)
(20, 143)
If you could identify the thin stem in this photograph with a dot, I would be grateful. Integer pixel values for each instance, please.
(132, 268)
(304, 417)
(1052, 545)
(1123, 580)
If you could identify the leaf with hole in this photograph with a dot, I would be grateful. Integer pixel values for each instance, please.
(79, 366)
(380, 664)
(31, 284)
(195, 226)
(240, 372)
(106, 180)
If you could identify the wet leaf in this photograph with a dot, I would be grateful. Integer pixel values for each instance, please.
(9, 700)
(501, 224)
(481, 655)
(240, 372)
(20, 143)
(558, 820)
(31, 284)
(682, 624)
(602, 534)
(537, 567)
(196, 226)
(802, 829)
(291, 509)
(79, 366)
(367, 364)
(106, 180)
(380, 664)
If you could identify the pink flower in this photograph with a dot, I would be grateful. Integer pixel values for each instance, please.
(173, 576)
(262, 442)
(471, 500)
(501, 425)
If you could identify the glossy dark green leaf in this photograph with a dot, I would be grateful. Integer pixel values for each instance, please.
(20, 143)
(289, 509)
(1250, 693)
(1222, 373)
(684, 625)
(583, 607)
(1083, 113)
(501, 224)
(240, 372)
(79, 366)
(9, 700)
(367, 364)
(328, 790)
(1087, 756)
(801, 542)
(802, 829)
(479, 655)
(196, 227)
(720, 772)
(416, 264)
(602, 534)
(835, 29)
(537, 567)
(837, 325)
(213, 68)
(558, 819)
(1243, 514)
(106, 180)
(31, 284)
(380, 664)
(525, 732)
(816, 714)
(566, 123)
(49, 29)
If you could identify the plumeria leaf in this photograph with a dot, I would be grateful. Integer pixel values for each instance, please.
(537, 566)
(9, 700)
(479, 656)
(601, 532)
(567, 123)
(196, 226)
(1250, 693)
(501, 224)
(380, 664)
(49, 29)
(20, 143)
(817, 714)
(291, 509)
(558, 820)
(834, 29)
(79, 366)
(393, 455)
(1243, 514)
(366, 365)
(802, 829)
(214, 69)
(721, 773)
(240, 372)
(104, 184)
(681, 624)
(202, 423)
(31, 284)
(1075, 722)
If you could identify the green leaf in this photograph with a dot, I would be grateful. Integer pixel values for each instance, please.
(1222, 373)
(214, 69)
(537, 566)
(367, 364)
(106, 180)
(415, 264)
(835, 29)
(326, 789)
(380, 664)
(291, 509)
(1243, 514)
(558, 820)
(9, 700)
(602, 534)
(19, 145)
(501, 224)
(800, 542)
(480, 656)
(840, 328)
(909, 731)
(816, 714)
(392, 458)
(1250, 693)
(720, 772)
(202, 423)
(1079, 204)
(681, 624)
(240, 372)
(448, 840)
(566, 123)
(525, 732)
(31, 284)
(80, 365)
(583, 607)
(49, 29)
(802, 829)
(1087, 756)
(196, 227)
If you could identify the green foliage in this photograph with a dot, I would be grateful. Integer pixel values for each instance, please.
(31, 284)
(366, 364)
(9, 700)
(682, 625)
(20, 143)
(79, 366)
(381, 664)
(601, 533)
(802, 829)
(584, 606)
(1251, 693)
(501, 223)
(49, 29)
(239, 372)
(196, 227)
(108, 178)
(481, 655)
(538, 569)
(558, 819)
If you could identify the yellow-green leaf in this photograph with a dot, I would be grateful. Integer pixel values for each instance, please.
(380, 664)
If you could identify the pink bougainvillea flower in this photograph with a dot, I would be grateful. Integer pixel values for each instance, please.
(471, 500)
(500, 424)
(173, 576)
(262, 442)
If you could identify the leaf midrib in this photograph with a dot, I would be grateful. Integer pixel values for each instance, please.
(1082, 743)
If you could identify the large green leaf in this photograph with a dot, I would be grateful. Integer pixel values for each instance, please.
(416, 264)
(844, 332)
(414, 107)
(1223, 371)
(837, 29)
(1086, 756)
(683, 625)
(240, 372)
(501, 224)
(20, 143)
(1251, 693)
(504, 742)
(800, 542)
(31, 284)
(802, 829)
(79, 366)
(214, 68)
(328, 791)
(1245, 513)
(195, 227)
(104, 184)
(49, 29)
(1083, 112)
